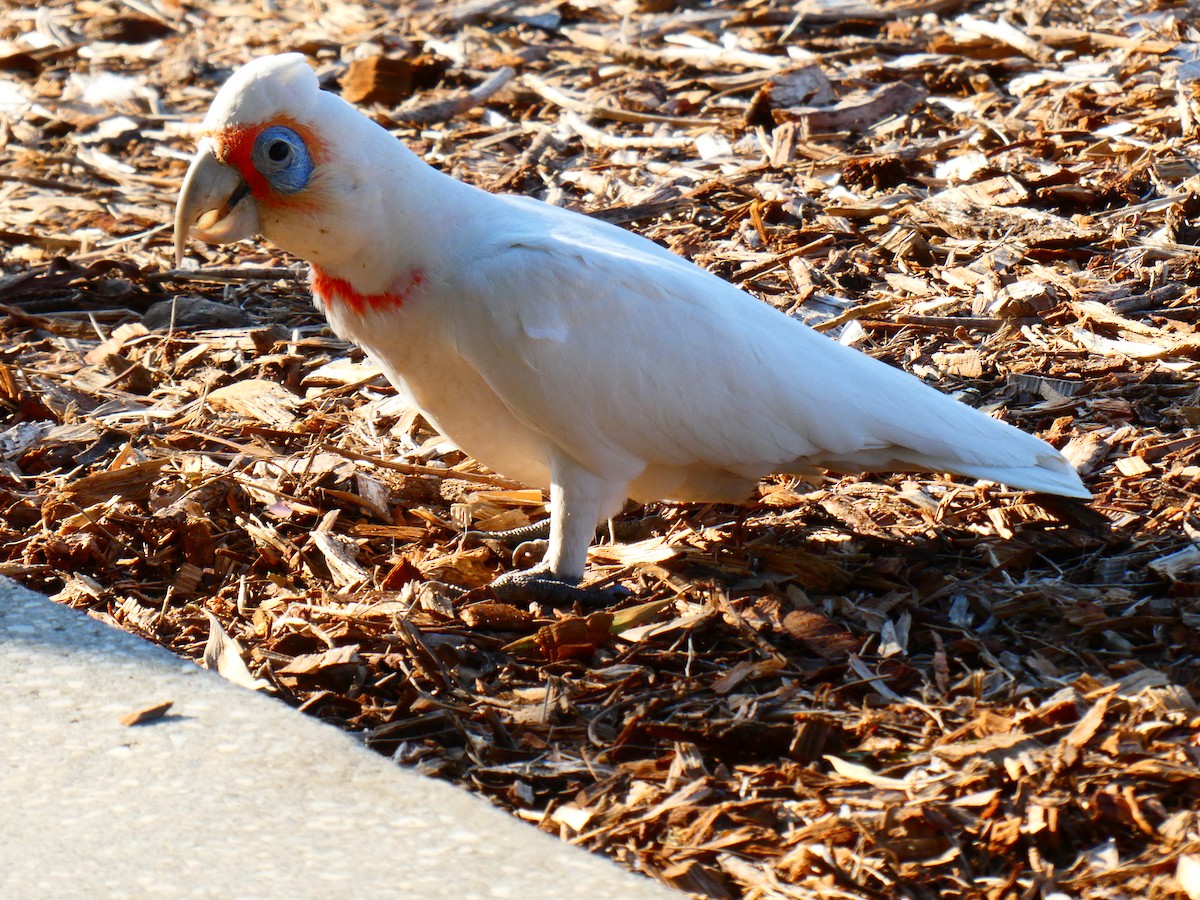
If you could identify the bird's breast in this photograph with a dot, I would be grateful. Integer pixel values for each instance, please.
(418, 354)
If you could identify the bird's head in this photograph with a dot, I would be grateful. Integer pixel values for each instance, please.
(261, 167)
(303, 168)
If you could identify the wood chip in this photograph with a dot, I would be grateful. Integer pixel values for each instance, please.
(851, 686)
(267, 402)
(149, 714)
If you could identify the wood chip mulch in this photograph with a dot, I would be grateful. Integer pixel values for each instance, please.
(902, 686)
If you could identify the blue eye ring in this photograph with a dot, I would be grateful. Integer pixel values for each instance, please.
(281, 157)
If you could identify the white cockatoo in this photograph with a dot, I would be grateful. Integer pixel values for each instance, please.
(557, 349)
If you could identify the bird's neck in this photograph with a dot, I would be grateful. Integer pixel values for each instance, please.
(330, 291)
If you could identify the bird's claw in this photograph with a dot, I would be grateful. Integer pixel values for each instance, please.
(527, 554)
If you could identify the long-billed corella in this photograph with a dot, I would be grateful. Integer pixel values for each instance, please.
(557, 349)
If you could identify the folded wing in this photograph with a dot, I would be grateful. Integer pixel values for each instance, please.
(627, 356)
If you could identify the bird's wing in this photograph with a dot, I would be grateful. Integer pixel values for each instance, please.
(627, 355)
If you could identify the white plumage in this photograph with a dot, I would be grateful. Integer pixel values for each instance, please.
(557, 349)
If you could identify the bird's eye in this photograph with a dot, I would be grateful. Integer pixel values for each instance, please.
(281, 156)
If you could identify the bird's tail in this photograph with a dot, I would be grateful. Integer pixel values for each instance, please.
(1052, 475)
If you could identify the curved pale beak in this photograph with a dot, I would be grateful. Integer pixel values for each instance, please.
(214, 205)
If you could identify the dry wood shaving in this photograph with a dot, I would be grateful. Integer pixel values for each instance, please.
(894, 687)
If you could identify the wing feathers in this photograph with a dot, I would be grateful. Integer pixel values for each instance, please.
(645, 360)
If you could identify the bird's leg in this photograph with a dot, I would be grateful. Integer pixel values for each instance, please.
(576, 496)
(578, 502)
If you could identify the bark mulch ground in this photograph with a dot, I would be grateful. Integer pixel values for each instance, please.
(901, 686)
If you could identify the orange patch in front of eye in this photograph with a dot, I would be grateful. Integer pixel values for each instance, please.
(235, 148)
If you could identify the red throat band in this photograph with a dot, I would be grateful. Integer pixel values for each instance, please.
(330, 290)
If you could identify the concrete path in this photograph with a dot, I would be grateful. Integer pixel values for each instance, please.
(233, 794)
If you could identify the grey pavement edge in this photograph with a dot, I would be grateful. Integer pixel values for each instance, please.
(232, 794)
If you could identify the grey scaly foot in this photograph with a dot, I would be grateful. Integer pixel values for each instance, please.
(625, 530)
(511, 537)
(539, 584)
(528, 543)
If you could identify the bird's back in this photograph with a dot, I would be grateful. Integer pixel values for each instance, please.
(632, 356)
